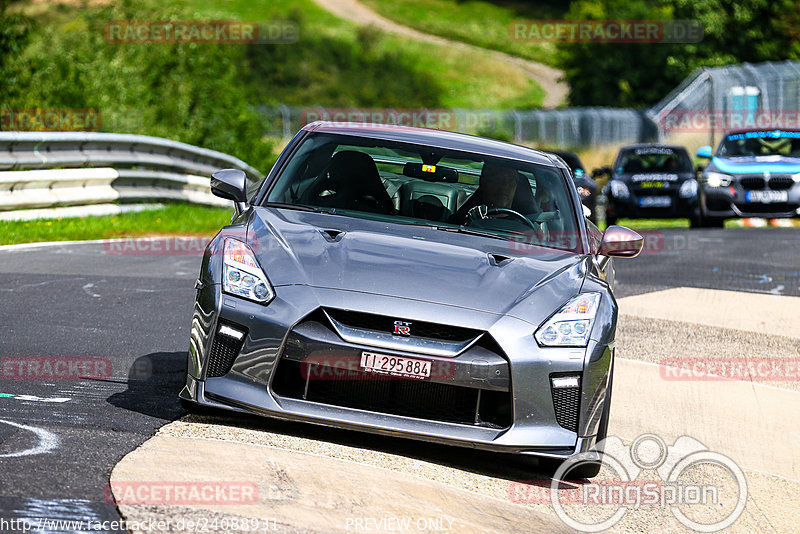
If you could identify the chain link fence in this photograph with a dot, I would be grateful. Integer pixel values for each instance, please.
(567, 128)
(712, 100)
(704, 105)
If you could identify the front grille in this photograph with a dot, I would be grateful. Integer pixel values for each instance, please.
(781, 183)
(420, 399)
(772, 207)
(566, 402)
(385, 324)
(752, 182)
(224, 351)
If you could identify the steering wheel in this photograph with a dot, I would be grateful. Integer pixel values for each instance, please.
(481, 211)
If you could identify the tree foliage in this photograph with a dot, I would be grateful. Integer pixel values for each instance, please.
(637, 75)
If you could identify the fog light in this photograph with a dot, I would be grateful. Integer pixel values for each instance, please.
(560, 382)
(226, 330)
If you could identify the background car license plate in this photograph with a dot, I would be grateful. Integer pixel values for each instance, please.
(395, 365)
(767, 196)
(655, 202)
(650, 185)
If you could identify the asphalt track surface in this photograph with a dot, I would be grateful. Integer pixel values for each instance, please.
(133, 312)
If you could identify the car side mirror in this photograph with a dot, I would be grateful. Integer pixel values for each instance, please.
(601, 171)
(231, 184)
(704, 151)
(621, 242)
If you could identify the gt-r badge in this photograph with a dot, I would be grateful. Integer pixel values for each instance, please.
(402, 328)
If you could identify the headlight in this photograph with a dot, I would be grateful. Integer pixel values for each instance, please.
(619, 189)
(688, 188)
(717, 179)
(572, 324)
(796, 177)
(241, 274)
(583, 192)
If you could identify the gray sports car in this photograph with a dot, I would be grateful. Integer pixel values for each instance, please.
(413, 282)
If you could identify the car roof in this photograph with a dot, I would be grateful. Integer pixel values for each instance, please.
(652, 145)
(435, 138)
(746, 130)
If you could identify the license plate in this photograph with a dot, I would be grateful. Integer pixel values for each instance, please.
(652, 185)
(655, 202)
(395, 365)
(766, 196)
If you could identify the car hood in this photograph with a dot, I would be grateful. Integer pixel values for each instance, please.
(410, 262)
(755, 165)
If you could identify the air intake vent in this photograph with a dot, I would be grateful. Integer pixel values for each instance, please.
(228, 342)
(566, 402)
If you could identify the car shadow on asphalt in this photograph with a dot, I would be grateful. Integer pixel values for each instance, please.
(154, 381)
(497, 465)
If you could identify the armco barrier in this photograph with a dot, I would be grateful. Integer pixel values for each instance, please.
(49, 169)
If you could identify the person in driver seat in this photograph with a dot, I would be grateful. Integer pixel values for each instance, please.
(499, 187)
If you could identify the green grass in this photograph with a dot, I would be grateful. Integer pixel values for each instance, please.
(183, 219)
(481, 23)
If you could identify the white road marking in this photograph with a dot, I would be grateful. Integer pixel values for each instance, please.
(48, 441)
(88, 290)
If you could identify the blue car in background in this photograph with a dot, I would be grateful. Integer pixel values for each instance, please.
(753, 173)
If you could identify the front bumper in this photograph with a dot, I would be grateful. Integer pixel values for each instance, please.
(633, 206)
(506, 364)
(732, 201)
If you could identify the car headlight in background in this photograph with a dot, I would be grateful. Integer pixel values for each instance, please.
(241, 274)
(572, 324)
(717, 179)
(619, 189)
(688, 189)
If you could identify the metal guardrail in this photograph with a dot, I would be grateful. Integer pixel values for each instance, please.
(49, 169)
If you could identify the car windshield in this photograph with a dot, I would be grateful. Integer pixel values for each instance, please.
(412, 184)
(654, 159)
(752, 144)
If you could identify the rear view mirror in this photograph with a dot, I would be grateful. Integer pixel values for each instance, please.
(704, 151)
(621, 242)
(430, 173)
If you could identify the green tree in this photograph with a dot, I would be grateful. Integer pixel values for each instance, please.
(14, 30)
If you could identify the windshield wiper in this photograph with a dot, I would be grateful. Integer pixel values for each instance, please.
(299, 207)
(466, 230)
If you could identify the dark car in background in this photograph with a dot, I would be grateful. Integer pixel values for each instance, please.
(754, 173)
(585, 184)
(651, 181)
